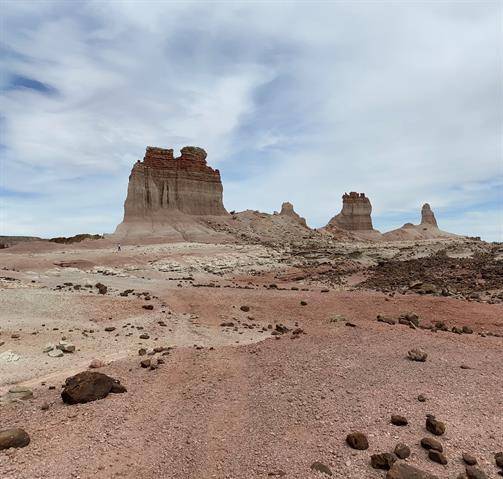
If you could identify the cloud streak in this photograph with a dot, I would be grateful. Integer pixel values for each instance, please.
(292, 102)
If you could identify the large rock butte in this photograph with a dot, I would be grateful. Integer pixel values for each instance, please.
(355, 214)
(164, 192)
(288, 212)
(161, 182)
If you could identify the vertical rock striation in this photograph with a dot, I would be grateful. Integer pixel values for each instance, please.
(355, 214)
(161, 183)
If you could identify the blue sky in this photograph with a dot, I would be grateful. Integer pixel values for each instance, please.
(293, 101)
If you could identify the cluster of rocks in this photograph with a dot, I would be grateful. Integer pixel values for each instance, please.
(389, 461)
(153, 357)
(414, 321)
(58, 350)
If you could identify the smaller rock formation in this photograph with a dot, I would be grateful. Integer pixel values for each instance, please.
(288, 211)
(427, 229)
(427, 216)
(355, 214)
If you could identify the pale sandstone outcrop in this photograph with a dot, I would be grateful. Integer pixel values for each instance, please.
(427, 216)
(355, 214)
(288, 211)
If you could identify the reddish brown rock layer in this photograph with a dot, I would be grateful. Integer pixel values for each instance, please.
(355, 214)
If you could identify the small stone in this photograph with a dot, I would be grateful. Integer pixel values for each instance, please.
(398, 420)
(498, 457)
(417, 354)
(44, 406)
(473, 472)
(66, 347)
(469, 459)
(357, 440)
(430, 443)
(245, 308)
(434, 426)
(437, 456)
(144, 336)
(421, 398)
(55, 353)
(13, 438)
(320, 467)
(109, 329)
(402, 451)
(401, 470)
(467, 330)
(96, 363)
(20, 392)
(145, 363)
(148, 307)
(303, 303)
(383, 461)
(48, 347)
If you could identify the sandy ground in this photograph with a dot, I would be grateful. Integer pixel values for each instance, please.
(241, 404)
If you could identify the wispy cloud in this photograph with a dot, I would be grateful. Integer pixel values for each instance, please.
(292, 102)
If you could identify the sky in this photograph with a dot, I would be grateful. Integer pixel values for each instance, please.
(293, 101)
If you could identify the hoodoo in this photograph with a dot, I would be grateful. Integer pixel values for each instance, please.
(163, 188)
(427, 216)
(355, 214)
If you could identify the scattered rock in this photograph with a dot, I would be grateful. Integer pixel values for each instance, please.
(434, 426)
(402, 451)
(145, 363)
(87, 386)
(13, 438)
(469, 459)
(385, 319)
(109, 329)
(383, 460)
(149, 307)
(357, 440)
(20, 392)
(245, 308)
(417, 354)
(44, 406)
(421, 398)
(498, 457)
(55, 353)
(437, 456)
(398, 420)
(473, 472)
(303, 303)
(320, 467)
(400, 470)
(66, 347)
(144, 336)
(430, 443)
(96, 363)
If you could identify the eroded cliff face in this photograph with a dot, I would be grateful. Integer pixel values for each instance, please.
(355, 214)
(427, 216)
(161, 183)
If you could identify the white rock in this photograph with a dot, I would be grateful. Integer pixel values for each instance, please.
(55, 353)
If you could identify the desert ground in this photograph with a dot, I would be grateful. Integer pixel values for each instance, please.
(258, 359)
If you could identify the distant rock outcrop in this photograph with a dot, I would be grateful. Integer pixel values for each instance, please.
(427, 216)
(288, 211)
(427, 229)
(164, 192)
(355, 214)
